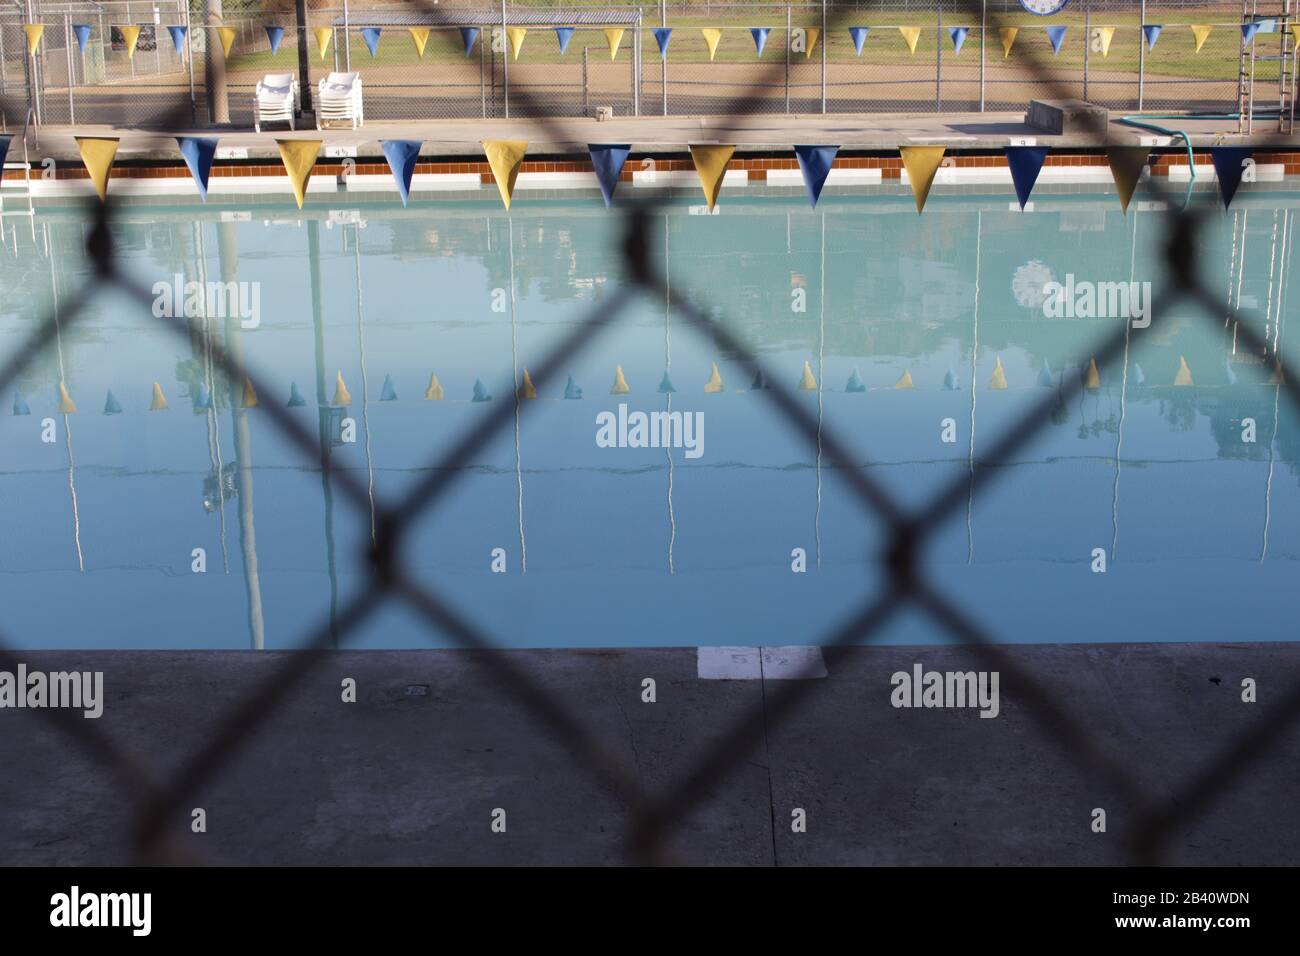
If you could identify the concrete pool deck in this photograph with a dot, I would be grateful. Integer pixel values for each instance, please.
(412, 771)
(568, 136)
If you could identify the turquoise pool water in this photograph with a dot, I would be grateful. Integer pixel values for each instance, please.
(608, 546)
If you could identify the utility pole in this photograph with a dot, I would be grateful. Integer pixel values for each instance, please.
(214, 66)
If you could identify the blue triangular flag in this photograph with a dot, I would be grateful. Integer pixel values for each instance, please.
(950, 381)
(468, 35)
(854, 384)
(666, 386)
(1248, 31)
(371, 36)
(564, 35)
(1057, 36)
(1025, 162)
(958, 35)
(4, 149)
(388, 393)
(760, 382)
(20, 405)
(401, 155)
(662, 36)
(82, 32)
(608, 162)
(111, 405)
(571, 390)
(760, 37)
(295, 397)
(859, 35)
(1229, 164)
(1045, 377)
(198, 152)
(1152, 32)
(1232, 376)
(273, 36)
(815, 164)
(178, 39)
(481, 394)
(204, 399)
(1138, 377)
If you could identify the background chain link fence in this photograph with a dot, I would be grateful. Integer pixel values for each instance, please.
(653, 814)
(103, 85)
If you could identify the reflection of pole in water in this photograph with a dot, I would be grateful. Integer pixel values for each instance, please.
(210, 414)
(228, 254)
(325, 420)
(974, 360)
(668, 399)
(1277, 388)
(67, 424)
(821, 379)
(365, 383)
(1123, 399)
(514, 381)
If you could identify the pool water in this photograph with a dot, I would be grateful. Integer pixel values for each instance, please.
(634, 546)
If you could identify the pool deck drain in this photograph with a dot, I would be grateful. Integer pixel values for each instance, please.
(412, 777)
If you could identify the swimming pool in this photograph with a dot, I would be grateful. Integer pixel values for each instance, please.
(641, 546)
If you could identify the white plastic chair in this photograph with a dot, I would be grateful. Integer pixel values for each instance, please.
(276, 100)
(339, 100)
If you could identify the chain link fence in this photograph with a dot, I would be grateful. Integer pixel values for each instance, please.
(781, 58)
(907, 531)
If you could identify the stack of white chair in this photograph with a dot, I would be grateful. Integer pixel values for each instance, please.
(276, 100)
(339, 100)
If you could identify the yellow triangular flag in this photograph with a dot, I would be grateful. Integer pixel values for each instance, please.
(33, 31)
(999, 377)
(516, 36)
(341, 394)
(1184, 376)
(159, 403)
(1201, 33)
(1295, 30)
(1126, 163)
(132, 36)
(323, 35)
(1105, 35)
(505, 156)
(1008, 36)
(614, 36)
(227, 35)
(620, 383)
(711, 37)
(1093, 378)
(711, 166)
(250, 396)
(910, 36)
(1278, 377)
(97, 154)
(527, 389)
(298, 156)
(921, 163)
(419, 36)
(808, 382)
(904, 380)
(66, 405)
(813, 33)
(714, 384)
(434, 392)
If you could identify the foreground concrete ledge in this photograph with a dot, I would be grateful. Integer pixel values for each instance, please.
(651, 135)
(436, 741)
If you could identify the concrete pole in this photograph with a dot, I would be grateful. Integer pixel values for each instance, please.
(304, 63)
(824, 39)
(1142, 52)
